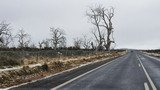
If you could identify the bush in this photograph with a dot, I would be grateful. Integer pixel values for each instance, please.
(25, 70)
(44, 67)
(3, 79)
(57, 64)
(6, 61)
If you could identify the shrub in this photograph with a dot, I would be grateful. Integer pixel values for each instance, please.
(58, 64)
(3, 79)
(5, 61)
(44, 67)
(25, 70)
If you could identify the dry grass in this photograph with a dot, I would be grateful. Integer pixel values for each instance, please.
(153, 54)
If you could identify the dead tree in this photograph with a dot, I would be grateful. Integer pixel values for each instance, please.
(57, 37)
(33, 45)
(95, 19)
(102, 19)
(5, 34)
(77, 42)
(86, 42)
(107, 16)
(23, 39)
(7, 39)
(46, 43)
(93, 46)
(40, 44)
(63, 43)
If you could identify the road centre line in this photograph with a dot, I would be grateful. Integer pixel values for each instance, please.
(148, 77)
(146, 87)
(139, 65)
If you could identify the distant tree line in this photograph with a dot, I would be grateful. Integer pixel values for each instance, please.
(152, 51)
(57, 40)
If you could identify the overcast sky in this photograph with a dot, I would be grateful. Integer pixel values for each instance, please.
(136, 22)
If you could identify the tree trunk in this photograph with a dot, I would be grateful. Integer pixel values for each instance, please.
(108, 45)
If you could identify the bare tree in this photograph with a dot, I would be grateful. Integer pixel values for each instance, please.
(107, 15)
(33, 45)
(102, 19)
(95, 19)
(77, 42)
(5, 34)
(40, 44)
(63, 43)
(86, 42)
(23, 39)
(7, 39)
(57, 37)
(93, 46)
(46, 43)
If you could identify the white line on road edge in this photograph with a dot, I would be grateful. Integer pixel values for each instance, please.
(146, 87)
(148, 77)
(57, 87)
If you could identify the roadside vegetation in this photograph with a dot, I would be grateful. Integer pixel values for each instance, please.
(155, 52)
(49, 65)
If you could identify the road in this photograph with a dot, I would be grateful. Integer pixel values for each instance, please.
(133, 71)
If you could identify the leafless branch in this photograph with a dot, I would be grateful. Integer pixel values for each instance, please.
(58, 38)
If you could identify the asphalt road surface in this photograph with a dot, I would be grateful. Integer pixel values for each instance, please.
(133, 71)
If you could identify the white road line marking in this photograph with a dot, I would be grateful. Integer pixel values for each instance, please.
(146, 87)
(139, 65)
(148, 77)
(57, 87)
